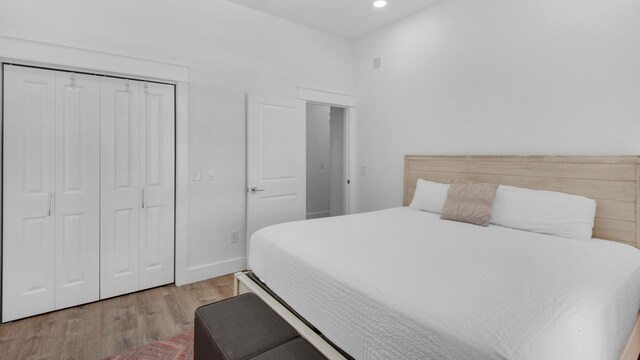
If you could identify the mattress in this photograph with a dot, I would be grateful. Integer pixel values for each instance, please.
(403, 284)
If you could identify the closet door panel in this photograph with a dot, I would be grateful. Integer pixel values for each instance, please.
(120, 194)
(77, 196)
(157, 177)
(28, 226)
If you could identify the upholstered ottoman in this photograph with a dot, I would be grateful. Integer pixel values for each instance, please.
(244, 327)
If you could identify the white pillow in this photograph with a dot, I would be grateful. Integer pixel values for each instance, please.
(429, 196)
(544, 212)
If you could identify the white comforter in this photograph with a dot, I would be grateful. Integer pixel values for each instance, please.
(403, 284)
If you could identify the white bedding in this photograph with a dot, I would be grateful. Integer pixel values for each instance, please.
(403, 284)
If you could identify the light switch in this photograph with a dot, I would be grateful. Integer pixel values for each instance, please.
(235, 237)
(211, 176)
(196, 175)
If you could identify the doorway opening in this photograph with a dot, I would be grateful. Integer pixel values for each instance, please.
(326, 159)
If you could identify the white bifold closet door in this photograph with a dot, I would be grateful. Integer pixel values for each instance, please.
(120, 205)
(51, 191)
(157, 178)
(77, 190)
(137, 230)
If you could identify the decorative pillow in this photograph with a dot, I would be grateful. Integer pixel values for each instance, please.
(545, 212)
(429, 196)
(469, 202)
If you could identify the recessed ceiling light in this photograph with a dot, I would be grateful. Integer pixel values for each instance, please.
(379, 3)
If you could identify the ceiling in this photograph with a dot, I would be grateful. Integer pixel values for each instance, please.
(347, 18)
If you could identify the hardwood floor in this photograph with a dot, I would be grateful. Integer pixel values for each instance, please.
(112, 326)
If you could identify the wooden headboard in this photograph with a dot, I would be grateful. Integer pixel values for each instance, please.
(613, 181)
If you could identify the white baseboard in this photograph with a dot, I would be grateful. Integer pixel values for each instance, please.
(318, 215)
(209, 271)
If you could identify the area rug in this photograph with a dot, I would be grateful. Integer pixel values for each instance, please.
(176, 348)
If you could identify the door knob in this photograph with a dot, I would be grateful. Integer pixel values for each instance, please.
(255, 190)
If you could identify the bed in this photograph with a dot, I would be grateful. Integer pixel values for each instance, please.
(402, 283)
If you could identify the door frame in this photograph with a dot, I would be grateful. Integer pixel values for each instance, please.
(348, 103)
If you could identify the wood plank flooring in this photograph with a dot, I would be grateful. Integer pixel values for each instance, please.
(109, 327)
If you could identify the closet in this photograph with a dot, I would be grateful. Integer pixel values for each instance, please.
(88, 188)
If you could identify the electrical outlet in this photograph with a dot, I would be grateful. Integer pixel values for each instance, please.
(363, 170)
(211, 176)
(377, 62)
(235, 237)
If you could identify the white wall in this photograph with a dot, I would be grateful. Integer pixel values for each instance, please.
(336, 162)
(318, 161)
(231, 50)
(497, 77)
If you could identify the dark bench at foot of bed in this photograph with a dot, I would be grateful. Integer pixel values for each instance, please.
(244, 327)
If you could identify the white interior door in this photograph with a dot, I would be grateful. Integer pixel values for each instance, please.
(29, 165)
(77, 195)
(157, 156)
(120, 187)
(276, 161)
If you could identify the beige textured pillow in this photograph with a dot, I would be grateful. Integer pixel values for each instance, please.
(469, 202)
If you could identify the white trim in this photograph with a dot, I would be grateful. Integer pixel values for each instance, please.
(1, 166)
(208, 271)
(35, 53)
(64, 57)
(326, 97)
(318, 215)
(182, 185)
